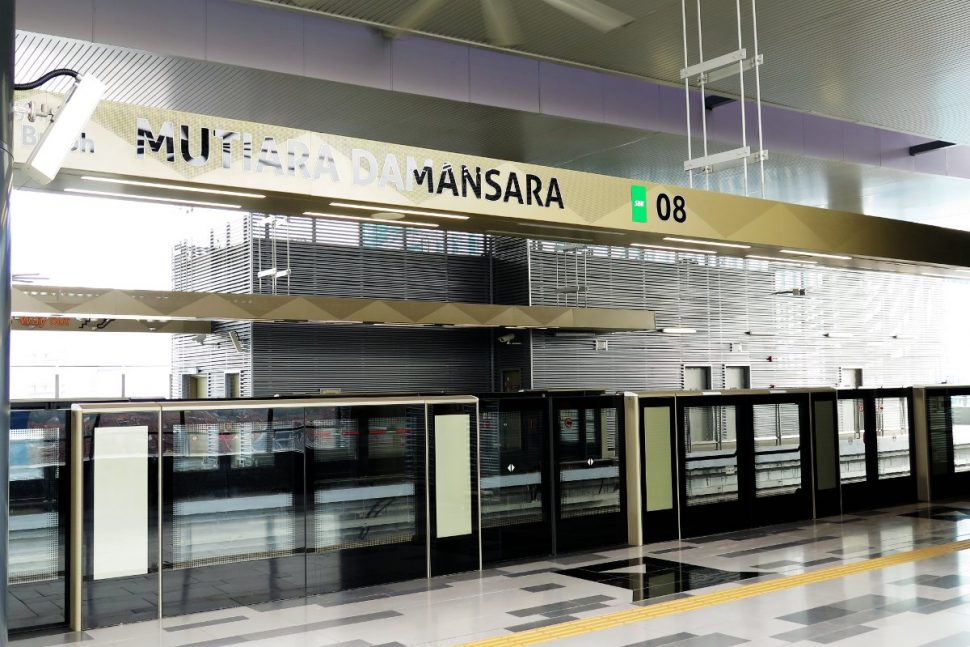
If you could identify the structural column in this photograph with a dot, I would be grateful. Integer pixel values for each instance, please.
(7, 36)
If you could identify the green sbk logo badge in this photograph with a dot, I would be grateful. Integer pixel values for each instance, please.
(638, 202)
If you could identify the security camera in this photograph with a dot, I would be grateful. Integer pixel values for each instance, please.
(507, 338)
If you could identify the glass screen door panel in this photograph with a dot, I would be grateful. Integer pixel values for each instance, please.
(852, 441)
(710, 457)
(39, 516)
(515, 507)
(960, 416)
(892, 437)
(589, 455)
(233, 509)
(120, 554)
(777, 449)
(365, 496)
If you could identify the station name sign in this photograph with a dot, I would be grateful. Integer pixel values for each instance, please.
(212, 148)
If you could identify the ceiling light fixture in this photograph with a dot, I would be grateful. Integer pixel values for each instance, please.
(678, 331)
(384, 207)
(839, 335)
(129, 196)
(675, 239)
(685, 250)
(401, 223)
(775, 259)
(945, 276)
(796, 252)
(760, 333)
(174, 187)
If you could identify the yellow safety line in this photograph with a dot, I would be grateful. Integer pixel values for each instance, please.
(610, 620)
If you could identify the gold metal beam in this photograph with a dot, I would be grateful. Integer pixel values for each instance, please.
(54, 303)
(71, 324)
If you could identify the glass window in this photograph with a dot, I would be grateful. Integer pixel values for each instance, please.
(777, 449)
(892, 437)
(589, 468)
(852, 446)
(711, 454)
(960, 421)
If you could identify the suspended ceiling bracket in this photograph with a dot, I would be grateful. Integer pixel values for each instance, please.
(709, 70)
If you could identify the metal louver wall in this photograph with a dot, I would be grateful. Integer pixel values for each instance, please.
(510, 270)
(900, 329)
(305, 358)
(338, 258)
(329, 258)
(214, 356)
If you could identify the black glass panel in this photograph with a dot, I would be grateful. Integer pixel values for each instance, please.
(649, 577)
(234, 512)
(365, 496)
(37, 545)
(120, 563)
(514, 479)
(590, 484)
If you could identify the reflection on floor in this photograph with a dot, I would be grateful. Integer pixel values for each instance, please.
(923, 603)
(650, 577)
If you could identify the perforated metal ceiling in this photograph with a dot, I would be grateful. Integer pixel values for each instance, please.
(900, 64)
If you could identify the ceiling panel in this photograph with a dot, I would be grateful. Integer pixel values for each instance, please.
(897, 64)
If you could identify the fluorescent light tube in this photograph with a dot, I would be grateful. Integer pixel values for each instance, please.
(174, 187)
(760, 333)
(402, 223)
(775, 259)
(796, 252)
(131, 196)
(686, 250)
(839, 335)
(678, 331)
(945, 276)
(393, 209)
(675, 239)
(57, 141)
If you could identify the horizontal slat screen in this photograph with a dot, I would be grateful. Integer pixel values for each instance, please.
(305, 358)
(723, 298)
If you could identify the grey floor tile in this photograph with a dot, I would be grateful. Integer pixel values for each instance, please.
(537, 571)
(301, 628)
(206, 623)
(540, 623)
(779, 564)
(771, 547)
(574, 610)
(559, 606)
(864, 602)
(670, 550)
(949, 581)
(816, 615)
(712, 640)
(68, 638)
(961, 639)
(663, 640)
(842, 634)
(349, 643)
(819, 562)
(539, 588)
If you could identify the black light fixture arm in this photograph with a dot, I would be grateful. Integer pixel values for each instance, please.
(53, 74)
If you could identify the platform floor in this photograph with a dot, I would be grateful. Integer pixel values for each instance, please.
(887, 577)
